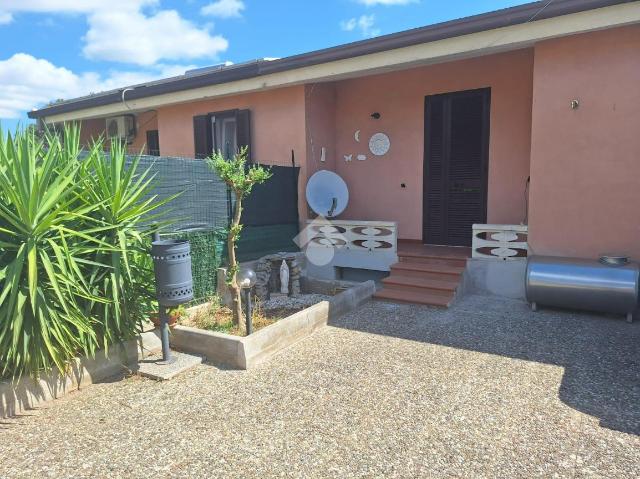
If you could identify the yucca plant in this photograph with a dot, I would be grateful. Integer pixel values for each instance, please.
(46, 235)
(75, 273)
(126, 206)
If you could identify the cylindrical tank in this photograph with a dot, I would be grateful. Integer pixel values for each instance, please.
(582, 284)
(172, 265)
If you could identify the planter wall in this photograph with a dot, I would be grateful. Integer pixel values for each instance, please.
(28, 393)
(249, 351)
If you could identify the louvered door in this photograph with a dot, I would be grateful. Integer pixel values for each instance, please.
(455, 166)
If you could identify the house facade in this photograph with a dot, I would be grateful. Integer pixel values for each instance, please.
(522, 116)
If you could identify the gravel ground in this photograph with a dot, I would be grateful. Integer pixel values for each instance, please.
(293, 302)
(485, 389)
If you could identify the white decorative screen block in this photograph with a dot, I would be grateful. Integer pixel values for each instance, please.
(356, 244)
(503, 242)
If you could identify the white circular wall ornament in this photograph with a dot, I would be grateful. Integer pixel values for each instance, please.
(379, 144)
(357, 136)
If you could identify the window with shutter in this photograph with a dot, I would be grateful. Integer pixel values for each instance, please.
(224, 131)
(153, 143)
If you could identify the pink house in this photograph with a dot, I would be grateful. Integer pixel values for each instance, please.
(524, 116)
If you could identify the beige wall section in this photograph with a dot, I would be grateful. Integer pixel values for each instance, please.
(585, 163)
(374, 184)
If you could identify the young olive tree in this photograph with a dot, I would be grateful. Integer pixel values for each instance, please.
(240, 179)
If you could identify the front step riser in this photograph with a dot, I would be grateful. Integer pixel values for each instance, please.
(419, 290)
(404, 301)
(457, 263)
(426, 274)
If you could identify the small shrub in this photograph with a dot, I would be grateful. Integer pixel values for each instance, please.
(241, 179)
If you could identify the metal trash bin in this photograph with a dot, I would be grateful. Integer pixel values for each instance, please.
(172, 266)
(584, 284)
(174, 283)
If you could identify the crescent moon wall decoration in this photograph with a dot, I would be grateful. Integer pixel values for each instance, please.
(379, 144)
(357, 136)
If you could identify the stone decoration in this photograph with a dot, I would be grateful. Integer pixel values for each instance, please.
(284, 278)
(379, 144)
(267, 271)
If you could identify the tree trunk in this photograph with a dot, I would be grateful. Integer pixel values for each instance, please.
(233, 284)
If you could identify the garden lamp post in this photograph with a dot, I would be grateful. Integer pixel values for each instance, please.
(247, 280)
(174, 283)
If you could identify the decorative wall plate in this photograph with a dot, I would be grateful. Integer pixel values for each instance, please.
(356, 135)
(348, 157)
(361, 157)
(379, 144)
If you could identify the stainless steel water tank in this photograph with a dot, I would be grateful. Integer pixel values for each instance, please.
(582, 284)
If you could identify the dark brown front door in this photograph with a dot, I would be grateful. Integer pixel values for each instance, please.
(455, 166)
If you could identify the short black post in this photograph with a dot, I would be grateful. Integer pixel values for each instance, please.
(164, 335)
(248, 310)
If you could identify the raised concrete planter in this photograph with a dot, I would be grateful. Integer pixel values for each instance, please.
(246, 352)
(27, 393)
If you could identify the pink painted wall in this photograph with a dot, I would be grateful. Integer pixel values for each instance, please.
(93, 128)
(277, 127)
(321, 126)
(277, 124)
(585, 163)
(374, 184)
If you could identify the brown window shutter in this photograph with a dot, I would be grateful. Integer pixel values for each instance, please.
(243, 130)
(202, 136)
(153, 143)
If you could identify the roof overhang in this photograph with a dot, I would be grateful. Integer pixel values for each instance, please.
(430, 45)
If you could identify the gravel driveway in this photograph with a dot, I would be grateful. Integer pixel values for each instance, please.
(485, 389)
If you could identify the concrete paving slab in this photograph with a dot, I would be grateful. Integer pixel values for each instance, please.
(154, 368)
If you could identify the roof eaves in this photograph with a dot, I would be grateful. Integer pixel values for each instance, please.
(488, 21)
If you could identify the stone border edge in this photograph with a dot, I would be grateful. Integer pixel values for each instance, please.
(27, 393)
(247, 352)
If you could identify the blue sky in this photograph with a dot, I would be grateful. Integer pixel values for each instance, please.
(53, 49)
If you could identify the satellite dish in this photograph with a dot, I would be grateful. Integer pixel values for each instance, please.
(327, 193)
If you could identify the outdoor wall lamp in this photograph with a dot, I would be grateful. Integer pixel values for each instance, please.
(174, 282)
(575, 104)
(246, 281)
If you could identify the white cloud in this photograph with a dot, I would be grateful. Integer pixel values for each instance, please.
(5, 18)
(132, 37)
(365, 24)
(371, 3)
(224, 8)
(27, 82)
(124, 31)
(73, 6)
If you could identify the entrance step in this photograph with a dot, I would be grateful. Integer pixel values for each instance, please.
(412, 297)
(418, 283)
(426, 267)
(428, 275)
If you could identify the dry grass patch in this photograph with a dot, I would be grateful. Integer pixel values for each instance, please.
(214, 316)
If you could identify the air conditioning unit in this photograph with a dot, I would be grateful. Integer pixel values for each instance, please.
(121, 127)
